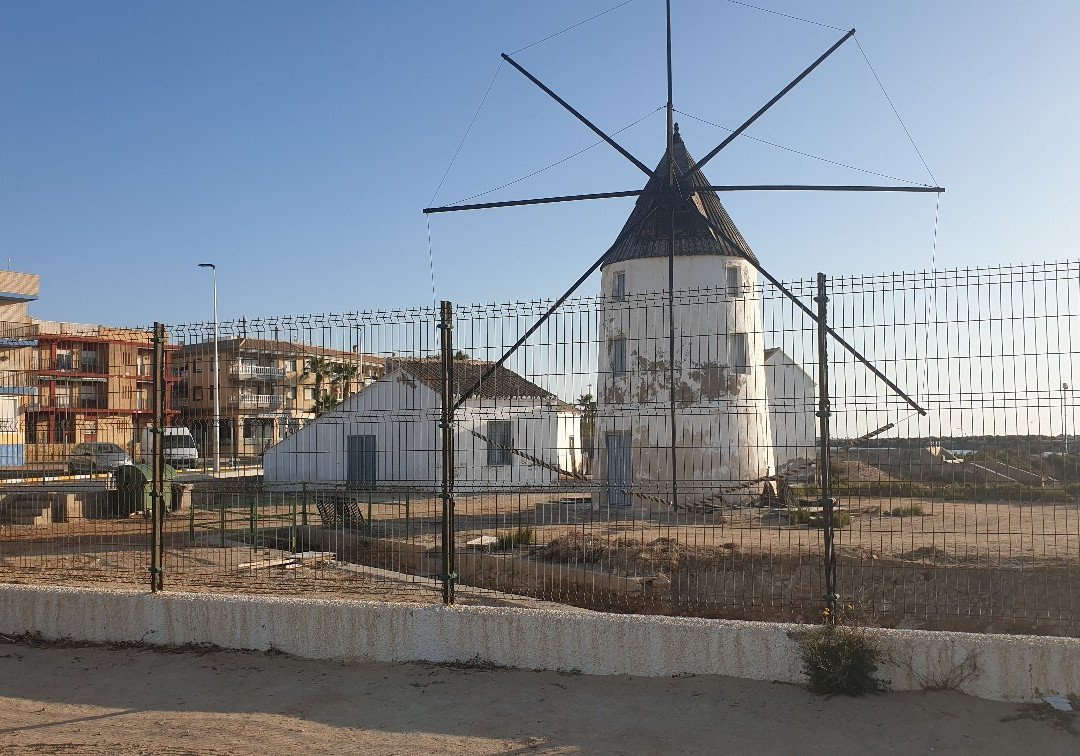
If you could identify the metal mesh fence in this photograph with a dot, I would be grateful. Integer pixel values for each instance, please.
(74, 401)
(620, 459)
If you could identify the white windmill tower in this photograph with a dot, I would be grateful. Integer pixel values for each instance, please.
(713, 391)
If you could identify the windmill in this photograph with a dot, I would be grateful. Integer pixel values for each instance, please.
(678, 215)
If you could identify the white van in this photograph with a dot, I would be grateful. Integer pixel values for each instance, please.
(180, 450)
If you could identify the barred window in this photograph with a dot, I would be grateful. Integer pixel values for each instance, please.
(738, 353)
(619, 290)
(500, 434)
(618, 356)
(734, 280)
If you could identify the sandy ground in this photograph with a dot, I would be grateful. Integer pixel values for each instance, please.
(96, 700)
(974, 566)
(1006, 533)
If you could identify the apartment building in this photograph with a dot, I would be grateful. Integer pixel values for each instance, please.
(65, 383)
(94, 383)
(17, 338)
(269, 389)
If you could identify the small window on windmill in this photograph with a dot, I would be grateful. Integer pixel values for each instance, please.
(734, 280)
(738, 354)
(618, 357)
(619, 290)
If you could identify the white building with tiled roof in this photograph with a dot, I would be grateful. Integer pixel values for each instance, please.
(511, 433)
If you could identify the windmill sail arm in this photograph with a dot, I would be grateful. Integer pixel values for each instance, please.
(630, 229)
(802, 306)
(761, 111)
(537, 201)
(823, 188)
(641, 166)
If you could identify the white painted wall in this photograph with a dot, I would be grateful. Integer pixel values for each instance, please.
(1006, 667)
(403, 413)
(723, 432)
(792, 409)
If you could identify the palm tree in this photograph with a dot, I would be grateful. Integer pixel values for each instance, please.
(324, 402)
(344, 375)
(321, 369)
(587, 404)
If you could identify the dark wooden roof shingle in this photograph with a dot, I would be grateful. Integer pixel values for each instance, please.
(503, 384)
(692, 235)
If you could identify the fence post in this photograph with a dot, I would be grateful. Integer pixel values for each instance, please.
(824, 473)
(292, 528)
(446, 426)
(157, 482)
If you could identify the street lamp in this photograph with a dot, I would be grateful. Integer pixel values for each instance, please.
(217, 378)
(1064, 418)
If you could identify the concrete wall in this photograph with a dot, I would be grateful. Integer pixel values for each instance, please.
(1005, 667)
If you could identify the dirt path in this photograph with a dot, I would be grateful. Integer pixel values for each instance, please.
(94, 700)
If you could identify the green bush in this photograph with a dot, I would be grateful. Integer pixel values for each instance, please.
(841, 659)
(912, 510)
(515, 538)
(802, 516)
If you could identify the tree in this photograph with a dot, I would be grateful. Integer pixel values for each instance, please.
(587, 404)
(344, 374)
(324, 402)
(321, 369)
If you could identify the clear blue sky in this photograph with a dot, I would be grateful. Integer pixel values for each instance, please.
(294, 144)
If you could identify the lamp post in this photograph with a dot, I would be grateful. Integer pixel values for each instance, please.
(217, 378)
(1064, 419)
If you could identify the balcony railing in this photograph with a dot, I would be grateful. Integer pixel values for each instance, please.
(258, 401)
(245, 371)
(68, 364)
(66, 402)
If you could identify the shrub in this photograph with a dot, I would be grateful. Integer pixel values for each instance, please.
(841, 659)
(515, 538)
(912, 510)
(801, 516)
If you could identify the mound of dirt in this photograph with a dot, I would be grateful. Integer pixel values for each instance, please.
(630, 556)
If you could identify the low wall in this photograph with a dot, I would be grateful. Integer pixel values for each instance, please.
(1002, 667)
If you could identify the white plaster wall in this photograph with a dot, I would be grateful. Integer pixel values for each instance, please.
(537, 430)
(723, 429)
(403, 415)
(1007, 667)
(792, 409)
(400, 412)
(569, 435)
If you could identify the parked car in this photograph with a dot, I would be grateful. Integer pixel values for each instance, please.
(97, 457)
(179, 447)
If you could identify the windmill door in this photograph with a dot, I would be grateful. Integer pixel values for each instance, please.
(618, 469)
(360, 460)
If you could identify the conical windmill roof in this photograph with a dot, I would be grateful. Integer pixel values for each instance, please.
(692, 235)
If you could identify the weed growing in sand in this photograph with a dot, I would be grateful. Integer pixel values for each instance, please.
(515, 538)
(839, 658)
(801, 516)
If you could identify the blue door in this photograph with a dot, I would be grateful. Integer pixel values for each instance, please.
(360, 460)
